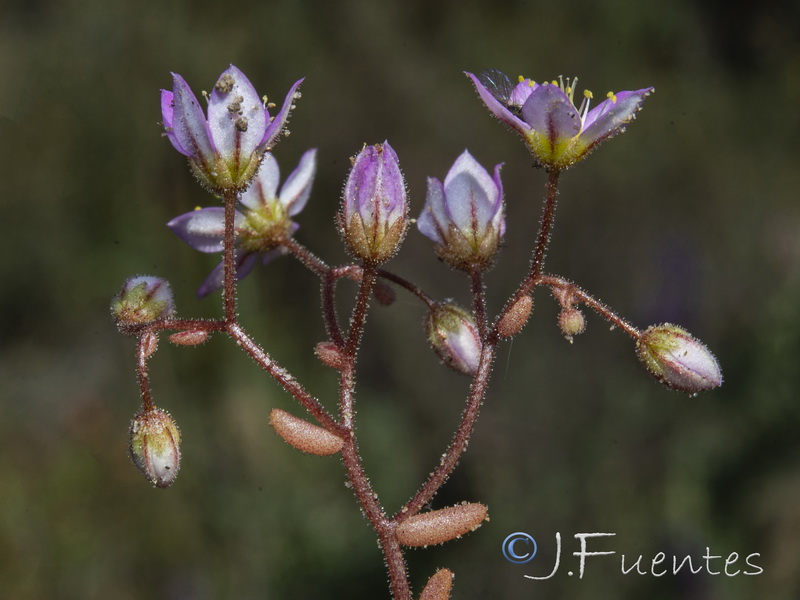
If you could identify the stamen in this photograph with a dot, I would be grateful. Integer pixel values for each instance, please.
(520, 79)
(583, 110)
(612, 96)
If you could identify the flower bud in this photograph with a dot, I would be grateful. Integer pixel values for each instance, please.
(438, 586)
(677, 359)
(155, 446)
(373, 218)
(572, 322)
(439, 526)
(465, 215)
(454, 337)
(189, 337)
(330, 355)
(303, 435)
(515, 317)
(142, 300)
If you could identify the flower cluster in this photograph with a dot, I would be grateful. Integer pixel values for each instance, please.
(230, 151)
(262, 224)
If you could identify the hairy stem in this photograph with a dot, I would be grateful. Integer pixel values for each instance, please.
(479, 302)
(459, 442)
(542, 241)
(285, 379)
(142, 375)
(229, 258)
(596, 305)
(367, 498)
(359, 315)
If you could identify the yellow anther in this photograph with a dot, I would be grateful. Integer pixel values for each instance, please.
(531, 83)
(587, 94)
(198, 207)
(520, 79)
(612, 96)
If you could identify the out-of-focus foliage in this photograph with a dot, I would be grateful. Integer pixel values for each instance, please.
(690, 217)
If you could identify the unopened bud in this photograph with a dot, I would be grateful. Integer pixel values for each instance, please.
(439, 526)
(465, 215)
(190, 337)
(373, 218)
(142, 300)
(677, 359)
(572, 322)
(454, 336)
(330, 355)
(303, 435)
(515, 317)
(155, 446)
(438, 586)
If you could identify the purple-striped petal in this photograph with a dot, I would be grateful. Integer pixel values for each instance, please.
(189, 124)
(470, 195)
(375, 188)
(203, 229)
(499, 220)
(392, 185)
(265, 185)
(549, 111)
(297, 188)
(275, 127)
(432, 222)
(497, 108)
(167, 118)
(237, 117)
(610, 117)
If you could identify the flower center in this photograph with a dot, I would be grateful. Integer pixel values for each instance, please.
(265, 227)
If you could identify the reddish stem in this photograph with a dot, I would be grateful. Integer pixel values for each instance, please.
(285, 379)
(359, 316)
(479, 302)
(540, 252)
(229, 258)
(596, 305)
(142, 375)
(460, 440)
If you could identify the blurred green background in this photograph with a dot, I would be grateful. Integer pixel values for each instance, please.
(692, 216)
